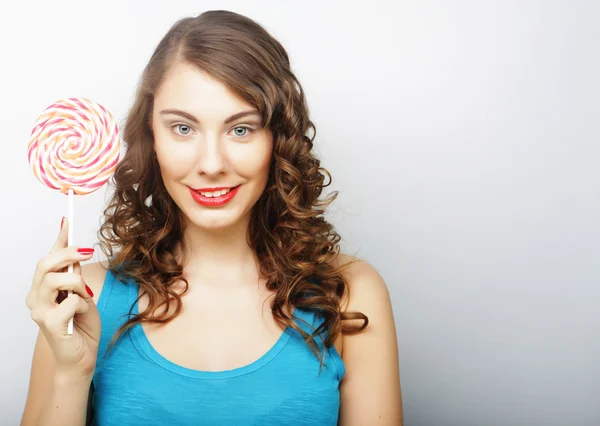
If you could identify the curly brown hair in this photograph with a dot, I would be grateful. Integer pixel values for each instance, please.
(296, 247)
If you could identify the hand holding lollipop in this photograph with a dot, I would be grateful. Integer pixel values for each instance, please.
(74, 148)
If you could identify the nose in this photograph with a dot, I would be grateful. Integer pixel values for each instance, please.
(211, 156)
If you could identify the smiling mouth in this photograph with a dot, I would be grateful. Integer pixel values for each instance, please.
(215, 192)
(218, 193)
(215, 197)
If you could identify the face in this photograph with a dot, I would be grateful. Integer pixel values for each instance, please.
(214, 156)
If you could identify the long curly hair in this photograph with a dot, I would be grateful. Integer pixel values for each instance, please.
(296, 247)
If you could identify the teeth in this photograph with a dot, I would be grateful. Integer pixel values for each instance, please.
(215, 193)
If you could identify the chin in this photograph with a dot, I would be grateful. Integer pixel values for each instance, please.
(215, 220)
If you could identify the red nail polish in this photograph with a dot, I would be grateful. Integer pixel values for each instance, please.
(62, 221)
(89, 291)
(85, 250)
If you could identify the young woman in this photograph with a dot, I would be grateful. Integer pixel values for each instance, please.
(225, 299)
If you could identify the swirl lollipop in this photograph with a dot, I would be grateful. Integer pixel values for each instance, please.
(74, 148)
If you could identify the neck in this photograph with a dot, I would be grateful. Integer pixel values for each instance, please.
(219, 257)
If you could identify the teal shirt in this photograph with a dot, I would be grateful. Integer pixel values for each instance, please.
(134, 385)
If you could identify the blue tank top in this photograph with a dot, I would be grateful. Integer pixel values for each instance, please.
(134, 385)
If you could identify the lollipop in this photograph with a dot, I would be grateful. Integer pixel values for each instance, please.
(74, 148)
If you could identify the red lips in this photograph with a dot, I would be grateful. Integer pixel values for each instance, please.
(213, 201)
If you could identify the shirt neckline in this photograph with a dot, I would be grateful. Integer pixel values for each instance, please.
(143, 344)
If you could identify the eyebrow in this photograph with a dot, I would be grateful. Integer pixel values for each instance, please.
(195, 120)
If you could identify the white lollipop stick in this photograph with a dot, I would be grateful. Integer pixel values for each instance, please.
(70, 243)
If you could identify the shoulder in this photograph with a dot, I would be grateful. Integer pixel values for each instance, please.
(367, 293)
(94, 275)
(366, 289)
(370, 391)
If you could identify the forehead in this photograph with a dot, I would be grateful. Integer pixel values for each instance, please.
(189, 88)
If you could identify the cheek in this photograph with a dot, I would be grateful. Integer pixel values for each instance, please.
(170, 171)
(175, 160)
(253, 161)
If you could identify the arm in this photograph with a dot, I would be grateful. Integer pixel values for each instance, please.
(66, 401)
(370, 390)
(56, 398)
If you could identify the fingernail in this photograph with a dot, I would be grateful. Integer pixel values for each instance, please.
(85, 251)
(62, 221)
(89, 291)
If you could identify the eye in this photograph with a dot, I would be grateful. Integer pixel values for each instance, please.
(245, 131)
(184, 129)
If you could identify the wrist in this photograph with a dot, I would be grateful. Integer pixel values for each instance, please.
(71, 378)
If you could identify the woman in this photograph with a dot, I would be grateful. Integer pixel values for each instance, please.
(225, 300)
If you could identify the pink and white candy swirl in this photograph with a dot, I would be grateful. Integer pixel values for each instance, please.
(74, 145)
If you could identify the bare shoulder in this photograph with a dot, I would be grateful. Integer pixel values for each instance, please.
(93, 275)
(366, 293)
(366, 288)
(370, 389)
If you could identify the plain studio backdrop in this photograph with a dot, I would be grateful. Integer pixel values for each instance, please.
(463, 138)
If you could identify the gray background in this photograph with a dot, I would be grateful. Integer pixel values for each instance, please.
(463, 137)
